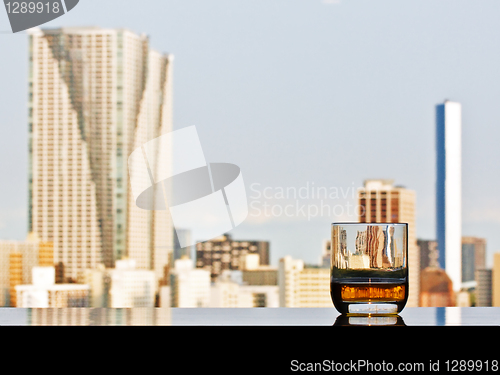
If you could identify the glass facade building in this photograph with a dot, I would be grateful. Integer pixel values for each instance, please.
(449, 189)
(95, 95)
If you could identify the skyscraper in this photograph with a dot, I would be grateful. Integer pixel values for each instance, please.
(484, 287)
(449, 189)
(429, 254)
(95, 95)
(495, 281)
(473, 258)
(382, 202)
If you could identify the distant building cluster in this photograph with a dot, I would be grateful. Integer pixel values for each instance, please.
(243, 281)
(223, 253)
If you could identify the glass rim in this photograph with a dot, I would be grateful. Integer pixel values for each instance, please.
(357, 223)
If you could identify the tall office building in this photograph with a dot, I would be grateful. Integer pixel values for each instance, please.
(495, 281)
(182, 235)
(382, 202)
(449, 189)
(95, 95)
(429, 254)
(326, 254)
(483, 288)
(473, 258)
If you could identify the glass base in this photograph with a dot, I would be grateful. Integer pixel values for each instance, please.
(372, 308)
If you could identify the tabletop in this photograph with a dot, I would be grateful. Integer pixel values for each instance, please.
(412, 316)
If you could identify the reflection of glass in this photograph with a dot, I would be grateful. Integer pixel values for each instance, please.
(369, 320)
(369, 272)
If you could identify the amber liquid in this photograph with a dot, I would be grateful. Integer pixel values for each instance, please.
(344, 293)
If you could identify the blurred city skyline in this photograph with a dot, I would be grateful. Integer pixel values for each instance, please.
(323, 94)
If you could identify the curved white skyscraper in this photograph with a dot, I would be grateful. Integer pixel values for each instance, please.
(95, 95)
(449, 189)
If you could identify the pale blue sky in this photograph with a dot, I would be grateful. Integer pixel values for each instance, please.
(304, 91)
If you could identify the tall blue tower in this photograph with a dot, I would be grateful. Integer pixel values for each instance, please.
(449, 189)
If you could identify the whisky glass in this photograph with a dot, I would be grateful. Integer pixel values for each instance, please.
(369, 268)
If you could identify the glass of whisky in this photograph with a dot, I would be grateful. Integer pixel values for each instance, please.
(369, 268)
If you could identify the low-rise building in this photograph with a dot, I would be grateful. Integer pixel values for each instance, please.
(44, 292)
(301, 286)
